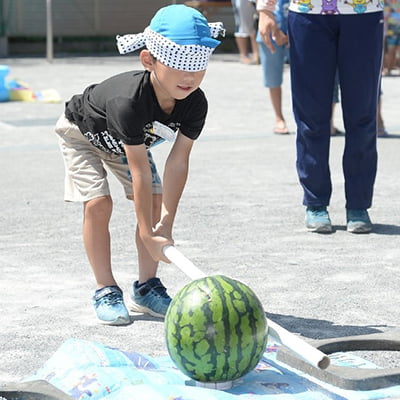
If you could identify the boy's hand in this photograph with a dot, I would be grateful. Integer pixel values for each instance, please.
(155, 245)
(164, 230)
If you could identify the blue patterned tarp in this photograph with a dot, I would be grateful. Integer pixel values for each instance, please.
(91, 371)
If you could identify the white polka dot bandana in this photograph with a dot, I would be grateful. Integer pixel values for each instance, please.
(188, 57)
(178, 36)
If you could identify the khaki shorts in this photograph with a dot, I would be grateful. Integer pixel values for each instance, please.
(85, 172)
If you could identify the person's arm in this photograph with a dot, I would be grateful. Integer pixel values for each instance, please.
(142, 188)
(266, 23)
(174, 180)
(281, 38)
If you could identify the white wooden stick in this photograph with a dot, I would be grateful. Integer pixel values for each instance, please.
(303, 349)
(183, 263)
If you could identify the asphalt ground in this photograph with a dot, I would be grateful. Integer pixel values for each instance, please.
(241, 215)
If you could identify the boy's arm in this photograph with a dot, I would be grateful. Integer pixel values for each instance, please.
(174, 180)
(142, 188)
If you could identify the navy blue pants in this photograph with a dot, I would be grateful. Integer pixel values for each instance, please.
(320, 44)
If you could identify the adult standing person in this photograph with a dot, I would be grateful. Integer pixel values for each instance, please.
(273, 63)
(325, 36)
(245, 31)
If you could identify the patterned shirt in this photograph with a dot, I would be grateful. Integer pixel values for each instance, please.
(326, 7)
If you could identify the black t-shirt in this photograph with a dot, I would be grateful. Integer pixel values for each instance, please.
(124, 110)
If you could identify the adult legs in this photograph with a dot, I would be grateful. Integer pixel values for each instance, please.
(391, 55)
(313, 68)
(242, 42)
(254, 48)
(275, 94)
(245, 33)
(360, 61)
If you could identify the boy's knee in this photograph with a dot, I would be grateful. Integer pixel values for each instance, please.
(98, 207)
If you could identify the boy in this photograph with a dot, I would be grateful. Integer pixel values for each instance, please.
(114, 123)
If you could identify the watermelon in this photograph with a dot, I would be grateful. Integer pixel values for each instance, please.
(215, 329)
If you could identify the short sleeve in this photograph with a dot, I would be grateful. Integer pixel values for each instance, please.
(194, 115)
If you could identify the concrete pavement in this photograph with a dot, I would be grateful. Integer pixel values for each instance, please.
(240, 215)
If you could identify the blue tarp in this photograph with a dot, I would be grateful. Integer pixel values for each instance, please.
(92, 371)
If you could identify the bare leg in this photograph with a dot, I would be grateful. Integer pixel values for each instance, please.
(379, 116)
(391, 59)
(154, 300)
(243, 47)
(333, 129)
(147, 266)
(254, 49)
(96, 238)
(382, 132)
(276, 101)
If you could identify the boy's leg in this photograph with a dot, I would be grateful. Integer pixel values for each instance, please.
(85, 181)
(119, 167)
(96, 237)
(147, 266)
(148, 293)
(360, 58)
(108, 298)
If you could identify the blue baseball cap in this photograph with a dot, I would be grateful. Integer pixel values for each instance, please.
(183, 25)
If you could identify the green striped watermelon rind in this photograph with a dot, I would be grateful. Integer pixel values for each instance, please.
(216, 329)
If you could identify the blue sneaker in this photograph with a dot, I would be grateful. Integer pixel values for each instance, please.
(358, 221)
(109, 305)
(317, 220)
(151, 297)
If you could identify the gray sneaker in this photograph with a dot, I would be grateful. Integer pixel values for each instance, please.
(317, 220)
(358, 221)
(151, 298)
